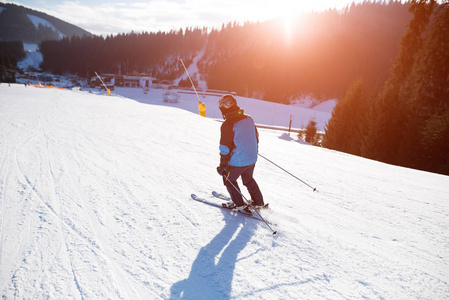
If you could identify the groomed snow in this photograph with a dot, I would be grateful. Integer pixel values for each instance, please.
(263, 112)
(95, 203)
(32, 59)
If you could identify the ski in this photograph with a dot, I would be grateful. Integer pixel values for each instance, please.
(226, 198)
(202, 200)
(221, 196)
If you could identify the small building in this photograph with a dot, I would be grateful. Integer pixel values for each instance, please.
(121, 80)
(136, 81)
(131, 81)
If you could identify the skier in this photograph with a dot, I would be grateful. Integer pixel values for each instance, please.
(238, 153)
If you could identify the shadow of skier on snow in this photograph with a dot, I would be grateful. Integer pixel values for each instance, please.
(211, 280)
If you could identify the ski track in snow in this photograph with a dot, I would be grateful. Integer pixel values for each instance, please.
(95, 203)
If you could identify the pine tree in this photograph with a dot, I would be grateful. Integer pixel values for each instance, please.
(407, 123)
(427, 89)
(435, 138)
(343, 132)
(311, 132)
(385, 118)
(392, 122)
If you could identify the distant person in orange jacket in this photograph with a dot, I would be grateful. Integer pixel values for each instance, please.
(202, 108)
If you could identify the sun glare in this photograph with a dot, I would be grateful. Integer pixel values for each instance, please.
(288, 24)
(288, 11)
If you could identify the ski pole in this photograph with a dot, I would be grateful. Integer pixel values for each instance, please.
(314, 189)
(191, 81)
(247, 202)
(105, 87)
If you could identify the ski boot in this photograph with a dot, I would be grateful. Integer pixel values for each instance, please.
(251, 203)
(244, 209)
(229, 204)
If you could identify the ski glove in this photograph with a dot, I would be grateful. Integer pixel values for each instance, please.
(221, 170)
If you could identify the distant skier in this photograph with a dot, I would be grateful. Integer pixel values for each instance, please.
(238, 153)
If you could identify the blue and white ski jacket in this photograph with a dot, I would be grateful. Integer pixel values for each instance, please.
(239, 140)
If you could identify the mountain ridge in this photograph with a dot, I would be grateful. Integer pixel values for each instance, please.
(16, 24)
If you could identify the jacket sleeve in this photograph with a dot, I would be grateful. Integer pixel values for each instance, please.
(226, 144)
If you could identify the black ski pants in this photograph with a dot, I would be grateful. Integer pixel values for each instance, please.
(230, 178)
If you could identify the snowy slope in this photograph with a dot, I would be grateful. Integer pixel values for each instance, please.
(95, 203)
(33, 58)
(263, 112)
(192, 70)
(39, 21)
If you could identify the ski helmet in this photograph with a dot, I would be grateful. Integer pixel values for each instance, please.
(227, 102)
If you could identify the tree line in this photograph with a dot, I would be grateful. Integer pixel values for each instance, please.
(11, 52)
(406, 122)
(155, 54)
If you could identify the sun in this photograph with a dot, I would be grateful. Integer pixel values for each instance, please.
(288, 12)
(287, 23)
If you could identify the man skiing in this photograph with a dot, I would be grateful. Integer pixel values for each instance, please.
(238, 153)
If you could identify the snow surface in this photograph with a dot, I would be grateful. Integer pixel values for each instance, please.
(39, 21)
(95, 203)
(326, 106)
(263, 112)
(33, 58)
(192, 70)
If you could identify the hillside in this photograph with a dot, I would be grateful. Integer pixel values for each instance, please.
(323, 54)
(31, 26)
(95, 203)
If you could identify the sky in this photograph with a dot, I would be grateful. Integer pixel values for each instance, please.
(105, 17)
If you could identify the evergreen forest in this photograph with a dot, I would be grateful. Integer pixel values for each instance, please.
(156, 54)
(406, 122)
(323, 53)
(11, 52)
